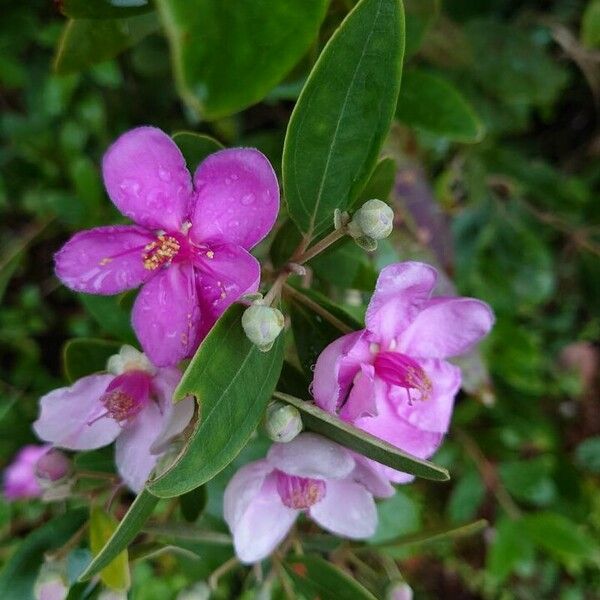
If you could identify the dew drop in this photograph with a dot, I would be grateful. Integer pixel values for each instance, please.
(248, 199)
(163, 174)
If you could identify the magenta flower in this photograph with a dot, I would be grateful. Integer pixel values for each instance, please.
(189, 247)
(20, 481)
(309, 474)
(131, 404)
(392, 379)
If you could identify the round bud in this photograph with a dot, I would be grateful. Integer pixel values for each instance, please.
(399, 590)
(52, 468)
(374, 219)
(282, 422)
(262, 325)
(50, 583)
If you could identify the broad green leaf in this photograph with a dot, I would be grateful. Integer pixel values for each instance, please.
(590, 25)
(510, 547)
(114, 575)
(228, 55)
(399, 515)
(103, 9)
(587, 454)
(85, 42)
(129, 526)
(84, 356)
(433, 104)
(232, 381)
(343, 115)
(466, 497)
(380, 182)
(192, 503)
(20, 571)
(195, 147)
(339, 431)
(530, 480)
(314, 577)
(111, 315)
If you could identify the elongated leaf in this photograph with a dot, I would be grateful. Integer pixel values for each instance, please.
(343, 114)
(362, 442)
(86, 42)
(115, 574)
(195, 147)
(314, 577)
(104, 9)
(232, 381)
(228, 55)
(19, 573)
(129, 526)
(431, 103)
(84, 356)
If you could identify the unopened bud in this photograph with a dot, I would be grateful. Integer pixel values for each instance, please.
(282, 422)
(399, 590)
(374, 220)
(50, 583)
(52, 468)
(262, 324)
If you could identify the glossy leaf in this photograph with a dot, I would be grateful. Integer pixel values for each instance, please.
(343, 115)
(229, 55)
(19, 572)
(339, 431)
(127, 529)
(115, 574)
(86, 42)
(104, 9)
(195, 147)
(232, 381)
(433, 104)
(84, 356)
(314, 577)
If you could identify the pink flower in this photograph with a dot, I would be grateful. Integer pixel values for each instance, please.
(392, 378)
(189, 248)
(131, 404)
(20, 481)
(309, 474)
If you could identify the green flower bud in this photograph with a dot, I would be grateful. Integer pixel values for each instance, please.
(374, 219)
(262, 324)
(282, 422)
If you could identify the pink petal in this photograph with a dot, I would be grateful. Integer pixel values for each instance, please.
(133, 457)
(146, 177)
(348, 509)
(166, 315)
(242, 489)
(367, 474)
(222, 279)
(401, 290)
(433, 414)
(311, 455)
(104, 260)
(447, 327)
(66, 412)
(362, 399)
(237, 198)
(19, 480)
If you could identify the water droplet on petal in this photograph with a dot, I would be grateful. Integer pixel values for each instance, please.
(234, 223)
(163, 174)
(247, 199)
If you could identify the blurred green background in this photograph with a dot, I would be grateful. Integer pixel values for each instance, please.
(497, 180)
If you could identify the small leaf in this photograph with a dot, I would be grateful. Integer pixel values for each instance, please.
(20, 571)
(398, 516)
(232, 381)
(587, 454)
(380, 183)
(195, 147)
(510, 547)
(420, 15)
(110, 315)
(101, 460)
(364, 443)
(85, 42)
(103, 9)
(343, 115)
(590, 25)
(314, 577)
(84, 356)
(192, 503)
(129, 526)
(431, 103)
(114, 575)
(466, 497)
(229, 55)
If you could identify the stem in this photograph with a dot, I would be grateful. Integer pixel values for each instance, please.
(333, 237)
(97, 475)
(275, 291)
(69, 545)
(213, 580)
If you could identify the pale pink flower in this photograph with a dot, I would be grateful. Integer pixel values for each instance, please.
(20, 481)
(189, 247)
(309, 474)
(392, 379)
(132, 405)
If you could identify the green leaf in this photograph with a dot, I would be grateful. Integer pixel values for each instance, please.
(510, 547)
(104, 9)
(590, 25)
(111, 315)
(85, 42)
(530, 480)
(192, 503)
(228, 55)
(232, 381)
(84, 356)
(380, 183)
(129, 526)
(195, 147)
(362, 442)
(314, 577)
(419, 15)
(466, 497)
(397, 516)
(101, 460)
(343, 115)
(114, 575)
(20, 571)
(431, 103)
(587, 454)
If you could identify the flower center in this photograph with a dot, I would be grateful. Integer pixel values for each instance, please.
(299, 492)
(401, 370)
(160, 252)
(126, 395)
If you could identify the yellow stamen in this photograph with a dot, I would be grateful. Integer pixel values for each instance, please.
(159, 252)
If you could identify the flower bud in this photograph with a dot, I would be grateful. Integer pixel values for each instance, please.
(282, 422)
(374, 219)
(399, 590)
(52, 468)
(262, 324)
(50, 583)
